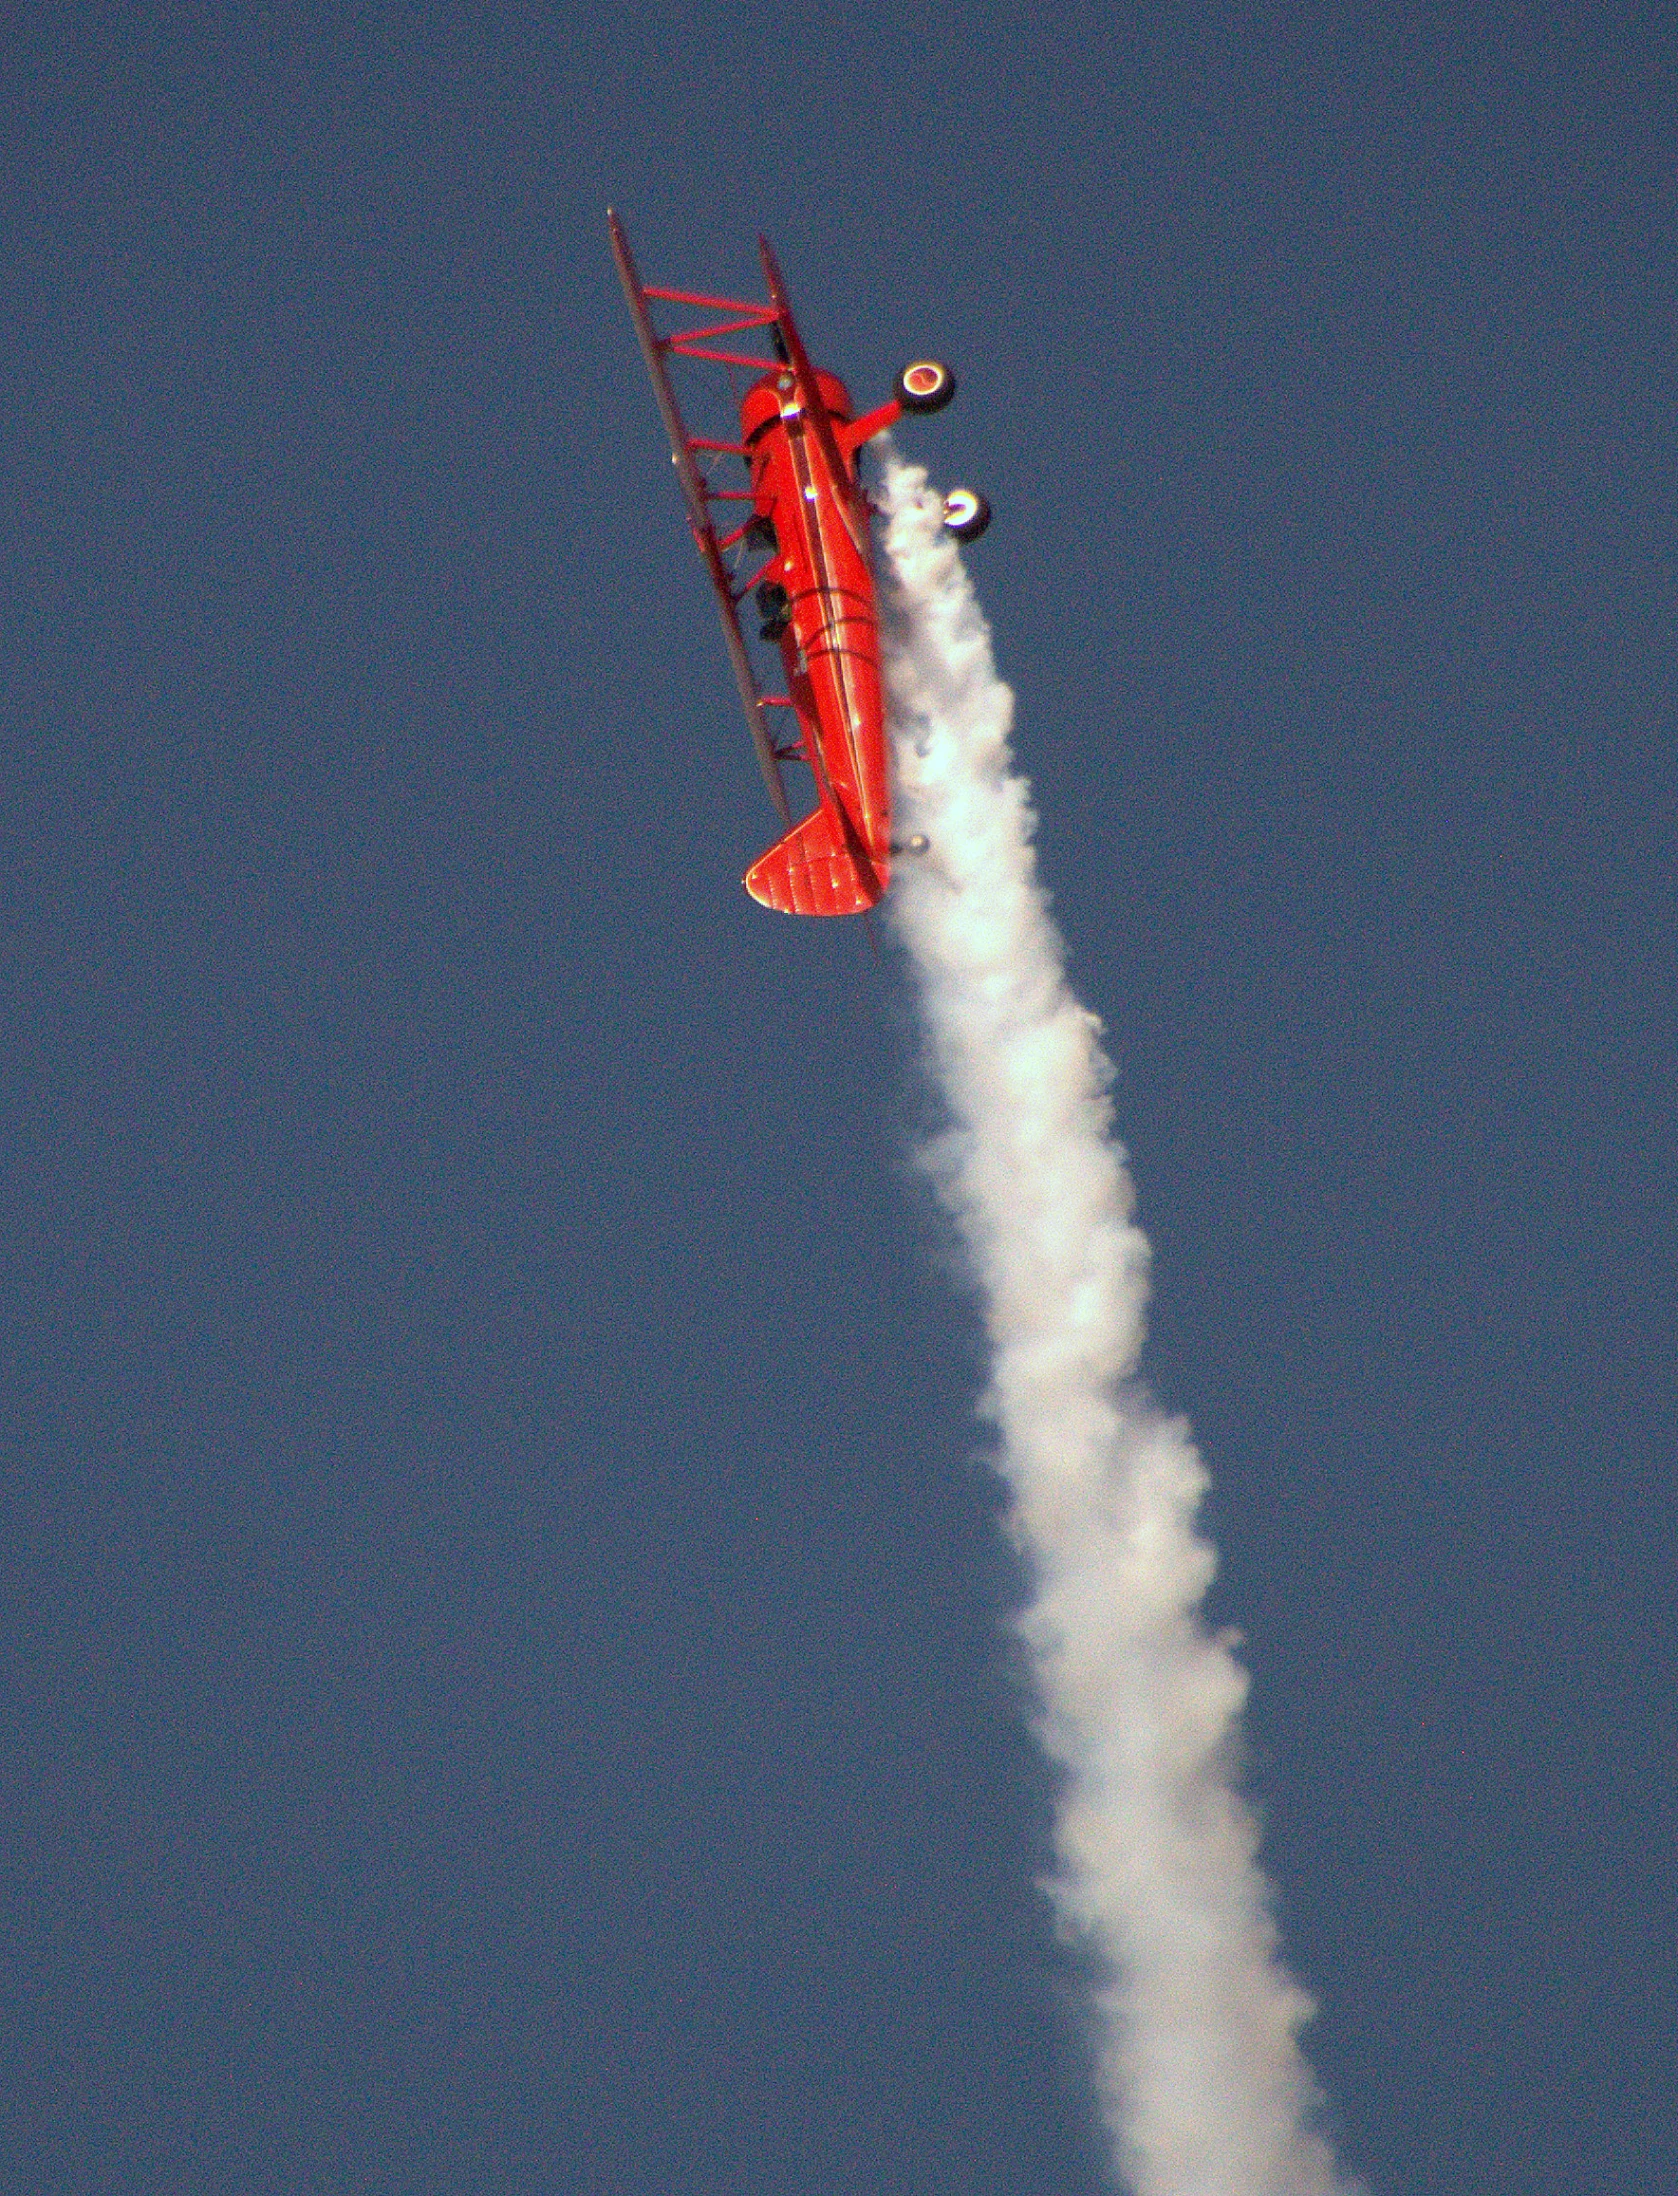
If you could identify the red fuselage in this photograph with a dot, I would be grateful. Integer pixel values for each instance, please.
(804, 482)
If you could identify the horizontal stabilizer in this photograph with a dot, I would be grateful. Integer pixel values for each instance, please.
(814, 871)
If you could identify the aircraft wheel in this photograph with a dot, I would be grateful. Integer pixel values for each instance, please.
(925, 385)
(966, 514)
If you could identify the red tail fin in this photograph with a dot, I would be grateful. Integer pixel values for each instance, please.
(814, 871)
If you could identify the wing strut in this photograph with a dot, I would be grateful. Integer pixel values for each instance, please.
(695, 496)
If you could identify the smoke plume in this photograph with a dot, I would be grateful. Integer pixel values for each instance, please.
(1202, 2082)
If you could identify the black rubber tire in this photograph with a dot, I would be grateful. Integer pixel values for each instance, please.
(966, 514)
(925, 385)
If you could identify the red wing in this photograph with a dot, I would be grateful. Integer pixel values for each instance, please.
(697, 498)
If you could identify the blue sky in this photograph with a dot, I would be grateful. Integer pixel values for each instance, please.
(507, 1669)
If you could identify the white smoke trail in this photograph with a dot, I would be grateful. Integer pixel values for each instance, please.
(1202, 2082)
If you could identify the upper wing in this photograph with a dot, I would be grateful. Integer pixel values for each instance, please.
(695, 496)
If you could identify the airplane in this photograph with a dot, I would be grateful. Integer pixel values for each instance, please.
(813, 586)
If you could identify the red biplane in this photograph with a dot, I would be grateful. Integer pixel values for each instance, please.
(804, 553)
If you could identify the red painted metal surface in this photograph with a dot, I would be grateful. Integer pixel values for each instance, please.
(800, 443)
(797, 426)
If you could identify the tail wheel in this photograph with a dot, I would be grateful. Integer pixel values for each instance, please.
(925, 385)
(966, 514)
